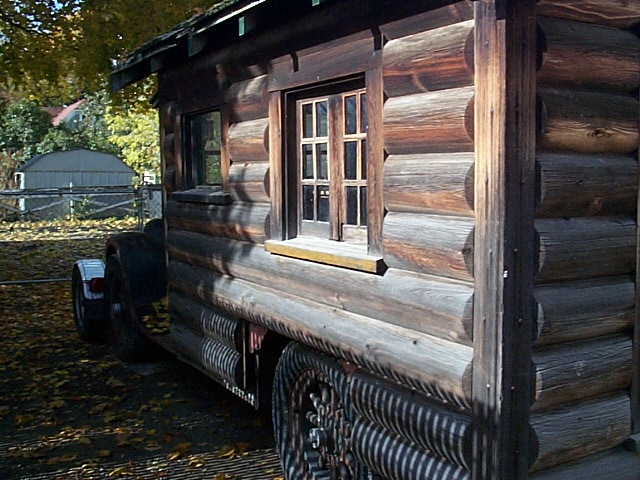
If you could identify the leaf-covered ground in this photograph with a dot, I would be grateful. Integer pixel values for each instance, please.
(71, 410)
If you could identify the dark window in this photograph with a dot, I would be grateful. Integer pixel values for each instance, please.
(203, 154)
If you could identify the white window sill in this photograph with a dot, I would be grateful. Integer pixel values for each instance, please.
(338, 254)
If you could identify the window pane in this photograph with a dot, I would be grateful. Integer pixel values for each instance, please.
(212, 170)
(205, 149)
(307, 202)
(321, 119)
(350, 160)
(352, 205)
(364, 122)
(363, 206)
(323, 161)
(307, 120)
(323, 203)
(363, 166)
(307, 161)
(350, 115)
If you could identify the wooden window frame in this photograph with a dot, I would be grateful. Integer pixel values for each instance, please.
(285, 238)
(334, 181)
(193, 190)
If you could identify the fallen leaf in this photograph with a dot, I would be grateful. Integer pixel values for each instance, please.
(152, 446)
(179, 451)
(114, 382)
(227, 451)
(197, 461)
(121, 472)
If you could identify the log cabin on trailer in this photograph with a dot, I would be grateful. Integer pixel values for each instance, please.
(413, 225)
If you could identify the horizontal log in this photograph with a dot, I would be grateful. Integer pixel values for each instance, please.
(427, 61)
(248, 100)
(580, 430)
(574, 48)
(244, 221)
(249, 141)
(392, 457)
(432, 244)
(616, 13)
(430, 183)
(217, 359)
(440, 17)
(413, 417)
(576, 371)
(434, 366)
(206, 321)
(325, 61)
(587, 122)
(580, 248)
(439, 307)
(578, 185)
(585, 309)
(249, 181)
(615, 464)
(430, 122)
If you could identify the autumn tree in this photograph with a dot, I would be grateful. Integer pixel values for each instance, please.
(135, 132)
(68, 47)
(91, 133)
(23, 125)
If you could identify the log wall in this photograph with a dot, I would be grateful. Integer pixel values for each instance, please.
(414, 323)
(428, 137)
(587, 179)
(426, 72)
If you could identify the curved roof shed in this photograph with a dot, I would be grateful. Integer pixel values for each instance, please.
(81, 167)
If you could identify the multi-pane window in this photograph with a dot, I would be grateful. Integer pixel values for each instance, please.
(332, 166)
(203, 156)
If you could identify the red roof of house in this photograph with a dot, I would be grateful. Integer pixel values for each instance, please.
(60, 113)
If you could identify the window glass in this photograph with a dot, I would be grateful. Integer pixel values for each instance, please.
(350, 115)
(307, 120)
(363, 113)
(323, 161)
(350, 160)
(321, 119)
(307, 161)
(204, 155)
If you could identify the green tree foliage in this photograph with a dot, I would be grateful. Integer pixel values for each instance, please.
(135, 132)
(30, 33)
(23, 125)
(91, 132)
(68, 47)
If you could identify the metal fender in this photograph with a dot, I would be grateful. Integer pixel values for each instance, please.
(91, 269)
(143, 262)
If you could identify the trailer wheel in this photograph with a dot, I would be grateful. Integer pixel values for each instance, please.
(87, 314)
(311, 422)
(125, 333)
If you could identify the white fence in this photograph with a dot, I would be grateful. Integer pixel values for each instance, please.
(144, 201)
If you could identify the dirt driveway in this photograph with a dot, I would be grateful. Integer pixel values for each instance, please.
(71, 410)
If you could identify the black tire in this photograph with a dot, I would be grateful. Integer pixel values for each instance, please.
(87, 314)
(155, 229)
(309, 404)
(126, 336)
